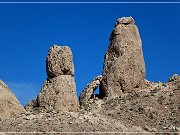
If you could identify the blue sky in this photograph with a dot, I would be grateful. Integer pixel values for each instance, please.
(28, 30)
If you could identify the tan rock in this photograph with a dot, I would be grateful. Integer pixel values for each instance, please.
(174, 82)
(58, 92)
(174, 78)
(125, 20)
(88, 91)
(124, 66)
(9, 105)
(32, 106)
(59, 61)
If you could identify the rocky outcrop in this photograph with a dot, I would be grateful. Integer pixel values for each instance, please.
(154, 109)
(124, 67)
(58, 92)
(9, 105)
(175, 78)
(174, 82)
(88, 91)
(59, 62)
(32, 106)
(151, 108)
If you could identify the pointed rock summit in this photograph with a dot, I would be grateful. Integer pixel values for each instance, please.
(124, 67)
(58, 92)
(9, 105)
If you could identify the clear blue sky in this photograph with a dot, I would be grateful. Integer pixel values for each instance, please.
(28, 30)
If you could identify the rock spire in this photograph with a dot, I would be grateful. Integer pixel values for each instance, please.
(58, 92)
(124, 67)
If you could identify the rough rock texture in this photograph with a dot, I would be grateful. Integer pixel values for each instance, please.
(9, 105)
(32, 106)
(58, 92)
(59, 61)
(124, 67)
(67, 123)
(175, 78)
(153, 108)
(88, 91)
(125, 21)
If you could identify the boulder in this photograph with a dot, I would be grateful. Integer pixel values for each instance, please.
(9, 104)
(124, 67)
(59, 61)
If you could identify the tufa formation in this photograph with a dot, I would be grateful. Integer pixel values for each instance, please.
(59, 62)
(126, 102)
(153, 109)
(124, 67)
(58, 92)
(88, 92)
(9, 105)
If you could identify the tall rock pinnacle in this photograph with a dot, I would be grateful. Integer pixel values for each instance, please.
(124, 67)
(58, 92)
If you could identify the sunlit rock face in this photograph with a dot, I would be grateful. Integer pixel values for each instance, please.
(124, 67)
(58, 92)
(59, 61)
(9, 104)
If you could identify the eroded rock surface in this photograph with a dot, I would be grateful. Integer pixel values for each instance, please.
(58, 92)
(152, 108)
(32, 106)
(124, 67)
(155, 108)
(59, 61)
(9, 105)
(125, 20)
(88, 91)
(175, 78)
